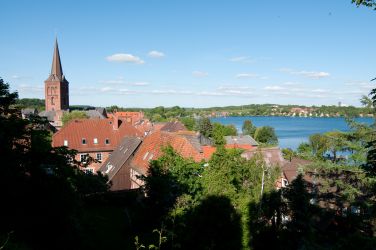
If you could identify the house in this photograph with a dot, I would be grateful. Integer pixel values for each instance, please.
(130, 117)
(28, 112)
(290, 170)
(173, 126)
(241, 141)
(133, 155)
(96, 138)
(117, 166)
(186, 143)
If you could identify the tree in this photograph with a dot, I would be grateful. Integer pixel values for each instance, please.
(75, 114)
(367, 3)
(205, 127)
(319, 145)
(336, 142)
(248, 128)
(288, 153)
(189, 122)
(220, 131)
(44, 181)
(266, 135)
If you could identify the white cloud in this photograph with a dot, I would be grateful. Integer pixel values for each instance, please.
(156, 54)
(30, 88)
(242, 59)
(320, 90)
(119, 81)
(246, 75)
(305, 73)
(274, 88)
(312, 74)
(139, 84)
(291, 83)
(197, 73)
(128, 58)
(232, 87)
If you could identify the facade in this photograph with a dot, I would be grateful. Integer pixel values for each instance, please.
(96, 138)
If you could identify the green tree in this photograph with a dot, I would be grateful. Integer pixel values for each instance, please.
(44, 181)
(266, 135)
(288, 153)
(367, 3)
(68, 116)
(189, 122)
(205, 127)
(319, 145)
(248, 128)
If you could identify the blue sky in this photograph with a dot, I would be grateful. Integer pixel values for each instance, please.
(192, 53)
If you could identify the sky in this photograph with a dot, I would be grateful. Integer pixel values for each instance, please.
(191, 53)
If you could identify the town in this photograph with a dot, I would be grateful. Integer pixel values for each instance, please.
(229, 125)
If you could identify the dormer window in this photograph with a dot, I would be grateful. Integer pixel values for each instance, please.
(95, 140)
(66, 143)
(107, 141)
(83, 140)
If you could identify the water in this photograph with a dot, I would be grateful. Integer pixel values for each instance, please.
(292, 131)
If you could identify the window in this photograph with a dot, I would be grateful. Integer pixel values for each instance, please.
(146, 155)
(107, 141)
(89, 171)
(95, 140)
(52, 101)
(66, 143)
(99, 157)
(83, 158)
(83, 141)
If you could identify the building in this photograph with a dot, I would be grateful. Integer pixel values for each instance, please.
(132, 157)
(56, 86)
(96, 138)
(245, 142)
(117, 166)
(130, 117)
(56, 92)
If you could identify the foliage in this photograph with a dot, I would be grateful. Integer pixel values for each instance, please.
(220, 131)
(46, 182)
(205, 127)
(367, 3)
(31, 103)
(189, 123)
(266, 135)
(288, 153)
(248, 128)
(68, 116)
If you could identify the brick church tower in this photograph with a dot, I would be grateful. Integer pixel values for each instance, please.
(56, 87)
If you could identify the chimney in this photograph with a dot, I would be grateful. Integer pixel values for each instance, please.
(116, 121)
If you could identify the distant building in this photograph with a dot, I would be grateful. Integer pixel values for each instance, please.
(96, 138)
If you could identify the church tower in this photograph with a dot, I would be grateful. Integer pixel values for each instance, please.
(56, 87)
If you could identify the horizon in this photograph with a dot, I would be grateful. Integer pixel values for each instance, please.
(192, 54)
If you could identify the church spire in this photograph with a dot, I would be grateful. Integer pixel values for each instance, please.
(56, 70)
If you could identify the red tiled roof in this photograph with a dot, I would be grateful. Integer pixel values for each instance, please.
(89, 129)
(241, 146)
(151, 149)
(208, 151)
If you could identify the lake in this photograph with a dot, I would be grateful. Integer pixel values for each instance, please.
(292, 131)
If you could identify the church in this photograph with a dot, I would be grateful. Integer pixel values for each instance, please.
(56, 91)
